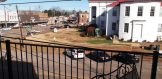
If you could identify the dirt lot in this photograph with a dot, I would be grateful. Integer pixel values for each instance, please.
(72, 36)
(63, 35)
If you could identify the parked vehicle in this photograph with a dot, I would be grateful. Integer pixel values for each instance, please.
(126, 58)
(75, 53)
(8, 28)
(100, 56)
(43, 25)
(67, 25)
(35, 31)
(52, 27)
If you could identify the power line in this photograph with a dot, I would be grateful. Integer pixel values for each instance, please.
(39, 2)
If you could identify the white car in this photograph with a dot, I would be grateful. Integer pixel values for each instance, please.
(75, 53)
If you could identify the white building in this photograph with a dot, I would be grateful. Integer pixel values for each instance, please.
(8, 18)
(136, 20)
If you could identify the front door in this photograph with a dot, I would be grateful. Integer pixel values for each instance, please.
(137, 32)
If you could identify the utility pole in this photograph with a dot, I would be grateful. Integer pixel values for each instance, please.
(21, 37)
(5, 16)
(4, 13)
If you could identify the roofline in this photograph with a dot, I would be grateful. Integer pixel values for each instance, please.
(101, 1)
(130, 1)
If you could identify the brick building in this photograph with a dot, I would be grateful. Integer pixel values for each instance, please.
(82, 18)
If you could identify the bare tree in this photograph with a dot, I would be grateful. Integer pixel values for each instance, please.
(3, 0)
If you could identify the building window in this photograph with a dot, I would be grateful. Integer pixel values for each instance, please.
(103, 12)
(160, 28)
(140, 11)
(126, 27)
(152, 12)
(93, 14)
(113, 26)
(114, 13)
(127, 10)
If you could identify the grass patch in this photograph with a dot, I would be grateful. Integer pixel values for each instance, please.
(99, 41)
(125, 41)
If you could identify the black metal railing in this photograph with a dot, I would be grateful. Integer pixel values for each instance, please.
(59, 61)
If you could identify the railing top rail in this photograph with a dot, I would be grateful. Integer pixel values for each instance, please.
(85, 48)
(56, 43)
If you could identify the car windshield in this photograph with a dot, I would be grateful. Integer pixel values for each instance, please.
(100, 53)
(78, 50)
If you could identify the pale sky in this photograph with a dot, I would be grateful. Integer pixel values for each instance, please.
(68, 5)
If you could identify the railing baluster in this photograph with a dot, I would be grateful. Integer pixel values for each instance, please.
(48, 62)
(26, 49)
(117, 70)
(110, 65)
(97, 64)
(71, 65)
(154, 64)
(37, 61)
(22, 67)
(31, 50)
(17, 62)
(9, 60)
(42, 62)
(125, 71)
(53, 63)
(59, 64)
(65, 61)
(77, 63)
(2, 63)
(133, 66)
(104, 66)
(90, 64)
(83, 63)
(141, 65)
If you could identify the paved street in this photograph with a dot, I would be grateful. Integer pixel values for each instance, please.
(16, 32)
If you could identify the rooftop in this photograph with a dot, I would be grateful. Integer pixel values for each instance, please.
(130, 0)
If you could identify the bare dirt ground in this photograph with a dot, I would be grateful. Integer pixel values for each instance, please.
(63, 35)
(72, 36)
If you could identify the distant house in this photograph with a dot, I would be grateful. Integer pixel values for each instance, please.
(52, 20)
(135, 20)
(8, 18)
(82, 18)
(57, 20)
(28, 16)
(43, 16)
(72, 18)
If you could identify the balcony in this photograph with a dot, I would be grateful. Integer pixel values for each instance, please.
(44, 60)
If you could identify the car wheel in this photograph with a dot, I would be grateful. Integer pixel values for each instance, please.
(73, 57)
(65, 53)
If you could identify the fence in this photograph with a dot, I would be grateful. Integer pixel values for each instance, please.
(44, 61)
